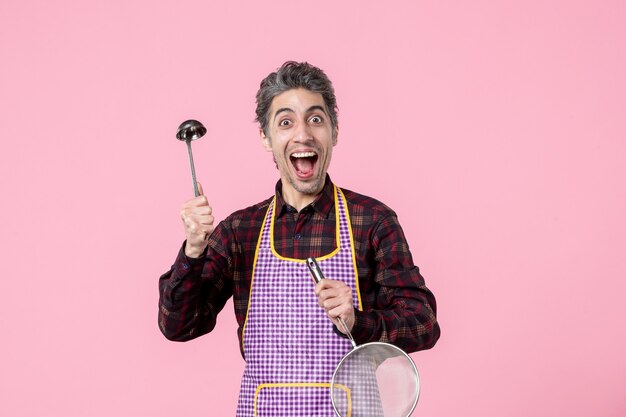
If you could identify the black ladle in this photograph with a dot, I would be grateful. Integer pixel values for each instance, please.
(191, 130)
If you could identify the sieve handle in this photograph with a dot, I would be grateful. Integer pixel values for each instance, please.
(317, 274)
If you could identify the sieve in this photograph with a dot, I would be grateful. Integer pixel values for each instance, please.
(375, 379)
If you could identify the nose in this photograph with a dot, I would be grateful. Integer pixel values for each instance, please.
(303, 132)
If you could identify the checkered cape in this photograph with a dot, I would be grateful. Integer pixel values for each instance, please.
(289, 344)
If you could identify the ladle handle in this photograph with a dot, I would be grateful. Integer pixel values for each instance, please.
(193, 169)
(317, 274)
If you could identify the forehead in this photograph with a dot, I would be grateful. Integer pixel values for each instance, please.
(297, 100)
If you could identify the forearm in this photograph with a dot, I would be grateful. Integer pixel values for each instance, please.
(188, 302)
(408, 320)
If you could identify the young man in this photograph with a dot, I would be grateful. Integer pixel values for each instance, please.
(289, 330)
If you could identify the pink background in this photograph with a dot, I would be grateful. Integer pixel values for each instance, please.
(496, 130)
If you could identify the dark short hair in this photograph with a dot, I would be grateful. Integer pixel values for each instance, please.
(295, 75)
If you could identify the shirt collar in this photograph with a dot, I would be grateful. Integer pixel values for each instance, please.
(323, 204)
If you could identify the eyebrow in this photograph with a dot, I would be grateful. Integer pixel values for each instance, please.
(309, 110)
(282, 110)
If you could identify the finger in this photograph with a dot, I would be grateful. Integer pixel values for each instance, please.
(343, 314)
(195, 223)
(330, 301)
(339, 311)
(330, 288)
(331, 304)
(199, 211)
(207, 230)
(200, 190)
(201, 200)
(195, 207)
(198, 231)
(191, 216)
(326, 284)
(205, 220)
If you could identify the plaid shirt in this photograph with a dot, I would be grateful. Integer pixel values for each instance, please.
(397, 306)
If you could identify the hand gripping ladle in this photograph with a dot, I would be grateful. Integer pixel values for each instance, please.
(191, 130)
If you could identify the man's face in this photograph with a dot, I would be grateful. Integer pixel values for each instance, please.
(301, 137)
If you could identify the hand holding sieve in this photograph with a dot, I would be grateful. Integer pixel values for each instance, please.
(375, 379)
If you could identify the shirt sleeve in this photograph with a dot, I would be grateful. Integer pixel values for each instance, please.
(403, 311)
(194, 291)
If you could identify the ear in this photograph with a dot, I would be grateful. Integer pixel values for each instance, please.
(335, 135)
(265, 140)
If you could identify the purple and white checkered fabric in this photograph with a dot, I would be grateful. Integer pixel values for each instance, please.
(290, 348)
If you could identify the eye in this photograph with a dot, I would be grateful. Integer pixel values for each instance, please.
(284, 123)
(316, 119)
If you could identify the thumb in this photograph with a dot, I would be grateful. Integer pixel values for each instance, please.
(200, 190)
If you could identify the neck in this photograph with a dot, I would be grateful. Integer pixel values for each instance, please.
(297, 199)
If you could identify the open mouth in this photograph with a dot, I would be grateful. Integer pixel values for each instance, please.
(304, 163)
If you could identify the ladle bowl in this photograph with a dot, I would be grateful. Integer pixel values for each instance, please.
(190, 130)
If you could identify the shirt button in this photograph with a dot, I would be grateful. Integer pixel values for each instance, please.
(297, 236)
(185, 266)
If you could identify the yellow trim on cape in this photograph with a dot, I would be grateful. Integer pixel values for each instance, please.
(356, 271)
(256, 257)
(321, 258)
(303, 385)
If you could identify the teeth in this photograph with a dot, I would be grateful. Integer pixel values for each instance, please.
(302, 154)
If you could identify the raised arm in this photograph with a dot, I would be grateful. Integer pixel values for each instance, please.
(199, 283)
